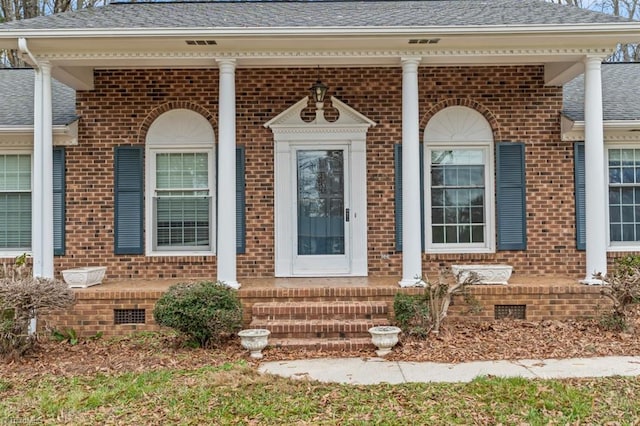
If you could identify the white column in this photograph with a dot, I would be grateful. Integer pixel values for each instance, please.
(226, 247)
(595, 186)
(42, 191)
(411, 221)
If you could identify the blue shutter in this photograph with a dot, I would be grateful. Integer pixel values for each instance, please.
(511, 197)
(397, 157)
(241, 224)
(129, 192)
(397, 161)
(579, 176)
(58, 201)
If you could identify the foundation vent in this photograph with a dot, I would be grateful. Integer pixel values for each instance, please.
(510, 311)
(129, 316)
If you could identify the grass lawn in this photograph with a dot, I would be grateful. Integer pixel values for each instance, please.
(234, 393)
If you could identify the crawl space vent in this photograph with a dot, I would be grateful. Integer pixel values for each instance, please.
(129, 316)
(510, 311)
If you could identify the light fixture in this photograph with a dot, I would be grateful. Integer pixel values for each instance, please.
(318, 91)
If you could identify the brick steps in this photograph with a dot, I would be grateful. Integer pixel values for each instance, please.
(340, 310)
(320, 325)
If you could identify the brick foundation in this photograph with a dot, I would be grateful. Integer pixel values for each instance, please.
(94, 310)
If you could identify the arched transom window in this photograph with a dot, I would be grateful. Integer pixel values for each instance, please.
(459, 188)
(180, 184)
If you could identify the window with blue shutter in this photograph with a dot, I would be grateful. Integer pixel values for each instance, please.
(128, 203)
(511, 196)
(579, 180)
(58, 201)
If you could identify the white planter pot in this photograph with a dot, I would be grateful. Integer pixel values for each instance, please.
(254, 340)
(487, 274)
(84, 277)
(384, 337)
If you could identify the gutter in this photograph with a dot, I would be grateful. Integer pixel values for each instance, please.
(584, 29)
(24, 50)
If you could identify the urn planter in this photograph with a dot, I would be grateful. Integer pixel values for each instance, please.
(254, 340)
(487, 274)
(84, 277)
(384, 337)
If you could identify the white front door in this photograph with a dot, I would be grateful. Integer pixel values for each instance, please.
(321, 237)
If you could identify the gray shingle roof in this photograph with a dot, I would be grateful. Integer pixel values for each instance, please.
(274, 14)
(620, 93)
(16, 86)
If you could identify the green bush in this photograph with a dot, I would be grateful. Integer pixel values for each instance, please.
(205, 311)
(412, 313)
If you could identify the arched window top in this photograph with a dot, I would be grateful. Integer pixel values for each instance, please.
(180, 127)
(458, 124)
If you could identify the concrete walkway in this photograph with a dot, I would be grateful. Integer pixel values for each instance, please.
(367, 371)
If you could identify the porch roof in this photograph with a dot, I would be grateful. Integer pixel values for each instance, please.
(17, 102)
(316, 14)
(620, 93)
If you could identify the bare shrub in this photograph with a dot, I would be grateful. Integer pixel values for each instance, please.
(426, 312)
(622, 287)
(22, 298)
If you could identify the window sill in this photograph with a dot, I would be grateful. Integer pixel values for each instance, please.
(14, 254)
(624, 248)
(459, 250)
(179, 253)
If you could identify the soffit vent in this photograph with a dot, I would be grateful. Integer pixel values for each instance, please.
(424, 41)
(201, 42)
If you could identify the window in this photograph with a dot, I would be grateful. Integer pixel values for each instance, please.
(180, 217)
(624, 196)
(182, 201)
(457, 196)
(459, 189)
(15, 202)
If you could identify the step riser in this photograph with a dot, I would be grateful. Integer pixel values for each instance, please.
(324, 344)
(315, 316)
(308, 329)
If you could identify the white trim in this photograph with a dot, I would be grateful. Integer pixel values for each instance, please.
(453, 128)
(157, 141)
(614, 130)
(617, 246)
(29, 152)
(291, 133)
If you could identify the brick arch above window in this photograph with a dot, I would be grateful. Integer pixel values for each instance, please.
(464, 102)
(153, 115)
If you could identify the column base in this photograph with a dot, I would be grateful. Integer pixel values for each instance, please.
(592, 281)
(231, 284)
(413, 282)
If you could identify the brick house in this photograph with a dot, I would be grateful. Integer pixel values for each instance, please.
(195, 151)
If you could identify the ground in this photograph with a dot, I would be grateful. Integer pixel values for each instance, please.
(458, 342)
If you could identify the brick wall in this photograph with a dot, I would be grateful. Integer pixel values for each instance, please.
(125, 102)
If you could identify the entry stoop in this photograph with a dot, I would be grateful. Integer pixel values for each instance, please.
(327, 325)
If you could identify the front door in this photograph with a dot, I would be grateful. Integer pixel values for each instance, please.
(321, 232)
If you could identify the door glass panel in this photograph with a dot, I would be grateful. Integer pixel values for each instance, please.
(320, 202)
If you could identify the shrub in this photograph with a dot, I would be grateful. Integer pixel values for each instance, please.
(412, 313)
(623, 289)
(22, 298)
(426, 312)
(204, 311)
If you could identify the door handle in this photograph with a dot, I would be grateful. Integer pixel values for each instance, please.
(346, 215)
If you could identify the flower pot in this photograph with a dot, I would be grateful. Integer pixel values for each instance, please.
(384, 337)
(254, 340)
(84, 277)
(486, 274)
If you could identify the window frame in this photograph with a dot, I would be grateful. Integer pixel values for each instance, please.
(150, 196)
(617, 246)
(14, 252)
(489, 244)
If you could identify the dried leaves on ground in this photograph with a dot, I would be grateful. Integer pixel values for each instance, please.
(457, 342)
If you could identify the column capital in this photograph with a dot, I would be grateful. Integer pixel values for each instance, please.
(226, 65)
(409, 62)
(45, 66)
